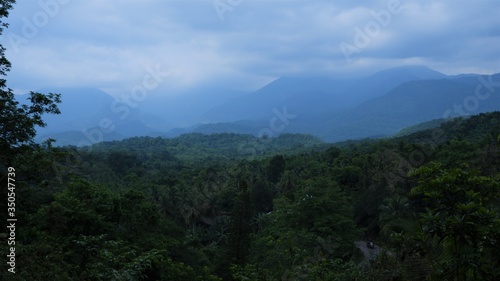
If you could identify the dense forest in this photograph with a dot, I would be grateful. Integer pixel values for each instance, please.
(236, 207)
(423, 205)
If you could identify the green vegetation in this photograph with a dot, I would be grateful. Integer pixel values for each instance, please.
(236, 207)
(199, 207)
(420, 127)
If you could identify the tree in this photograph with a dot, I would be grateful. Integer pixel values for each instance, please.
(306, 232)
(240, 228)
(239, 232)
(395, 214)
(463, 216)
(18, 122)
(276, 168)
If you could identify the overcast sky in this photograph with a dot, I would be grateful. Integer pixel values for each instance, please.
(241, 44)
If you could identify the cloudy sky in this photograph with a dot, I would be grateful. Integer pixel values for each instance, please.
(241, 44)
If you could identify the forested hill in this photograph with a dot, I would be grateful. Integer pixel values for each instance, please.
(469, 128)
(225, 146)
(230, 146)
(235, 207)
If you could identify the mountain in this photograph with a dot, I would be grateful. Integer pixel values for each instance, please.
(89, 115)
(381, 82)
(79, 138)
(427, 125)
(313, 96)
(330, 108)
(475, 128)
(290, 91)
(186, 108)
(407, 104)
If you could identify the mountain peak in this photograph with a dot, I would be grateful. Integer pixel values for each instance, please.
(411, 72)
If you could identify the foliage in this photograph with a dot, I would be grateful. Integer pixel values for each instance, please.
(144, 209)
(18, 122)
(463, 214)
(236, 207)
(292, 240)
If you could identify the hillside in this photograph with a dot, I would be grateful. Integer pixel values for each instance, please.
(316, 95)
(196, 193)
(89, 115)
(420, 127)
(475, 128)
(407, 104)
(214, 147)
(334, 110)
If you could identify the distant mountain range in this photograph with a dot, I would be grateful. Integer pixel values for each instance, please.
(332, 109)
(89, 115)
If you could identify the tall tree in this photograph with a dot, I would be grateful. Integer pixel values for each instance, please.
(240, 228)
(18, 122)
(463, 215)
(302, 233)
(276, 168)
(239, 233)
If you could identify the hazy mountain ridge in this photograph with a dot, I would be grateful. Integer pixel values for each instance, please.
(329, 94)
(409, 103)
(89, 115)
(333, 109)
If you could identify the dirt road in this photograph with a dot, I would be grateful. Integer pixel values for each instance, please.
(370, 254)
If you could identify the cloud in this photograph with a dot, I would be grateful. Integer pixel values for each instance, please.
(109, 44)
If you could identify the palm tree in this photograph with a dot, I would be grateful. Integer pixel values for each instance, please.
(395, 215)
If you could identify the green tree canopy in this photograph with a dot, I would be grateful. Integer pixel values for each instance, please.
(18, 121)
(463, 215)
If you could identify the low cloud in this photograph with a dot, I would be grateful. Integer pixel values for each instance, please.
(108, 44)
